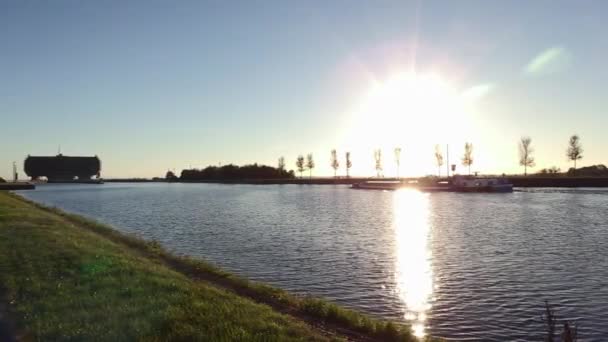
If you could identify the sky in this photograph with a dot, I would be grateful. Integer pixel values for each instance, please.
(150, 86)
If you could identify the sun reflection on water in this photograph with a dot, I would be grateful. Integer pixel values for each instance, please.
(413, 272)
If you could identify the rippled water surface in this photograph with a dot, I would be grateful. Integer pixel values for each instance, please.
(460, 266)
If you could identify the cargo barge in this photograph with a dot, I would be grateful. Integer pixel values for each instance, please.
(63, 169)
(456, 184)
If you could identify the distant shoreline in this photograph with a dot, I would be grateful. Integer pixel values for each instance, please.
(17, 186)
(559, 182)
(517, 181)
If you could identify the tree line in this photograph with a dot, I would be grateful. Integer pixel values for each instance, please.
(574, 153)
(308, 164)
(234, 172)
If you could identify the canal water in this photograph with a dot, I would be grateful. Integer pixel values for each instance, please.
(459, 266)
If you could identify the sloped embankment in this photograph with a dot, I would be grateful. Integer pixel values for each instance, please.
(66, 277)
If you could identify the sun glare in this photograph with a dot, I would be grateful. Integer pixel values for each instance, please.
(409, 110)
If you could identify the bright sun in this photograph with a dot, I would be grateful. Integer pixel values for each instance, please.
(411, 111)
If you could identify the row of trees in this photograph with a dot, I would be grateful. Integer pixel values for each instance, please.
(574, 153)
(308, 163)
(303, 164)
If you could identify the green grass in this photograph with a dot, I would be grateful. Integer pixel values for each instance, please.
(70, 278)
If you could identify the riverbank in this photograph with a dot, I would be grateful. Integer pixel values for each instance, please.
(66, 277)
(269, 181)
(517, 181)
(17, 186)
(559, 182)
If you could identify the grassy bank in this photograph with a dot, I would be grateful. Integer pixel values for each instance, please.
(66, 277)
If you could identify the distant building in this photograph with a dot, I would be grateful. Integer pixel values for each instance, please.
(62, 168)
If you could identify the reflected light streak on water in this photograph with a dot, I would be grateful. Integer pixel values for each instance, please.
(413, 271)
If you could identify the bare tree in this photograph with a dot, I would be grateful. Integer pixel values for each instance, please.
(349, 164)
(335, 164)
(467, 159)
(438, 159)
(575, 150)
(300, 164)
(378, 159)
(398, 159)
(310, 164)
(281, 164)
(525, 154)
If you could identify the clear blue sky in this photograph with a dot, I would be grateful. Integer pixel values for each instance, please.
(153, 85)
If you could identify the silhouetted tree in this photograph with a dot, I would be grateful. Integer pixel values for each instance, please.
(2, 180)
(599, 170)
(378, 159)
(467, 159)
(281, 167)
(170, 176)
(234, 172)
(553, 170)
(525, 154)
(335, 164)
(300, 164)
(310, 164)
(349, 164)
(575, 150)
(398, 159)
(438, 159)
(281, 163)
